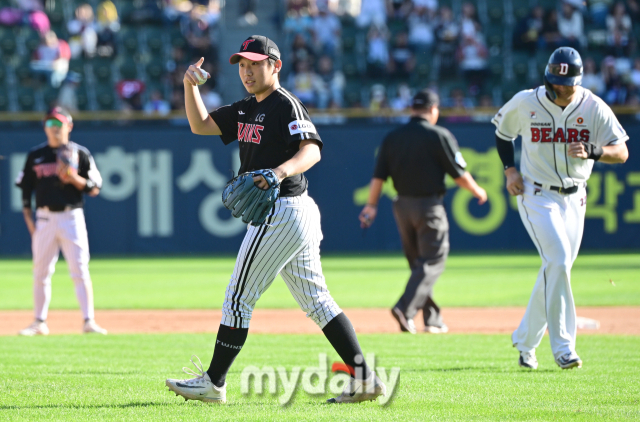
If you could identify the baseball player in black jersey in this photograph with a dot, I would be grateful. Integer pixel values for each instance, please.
(59, 172)
(275, 132)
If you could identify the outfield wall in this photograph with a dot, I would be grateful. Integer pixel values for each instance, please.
(163, 186)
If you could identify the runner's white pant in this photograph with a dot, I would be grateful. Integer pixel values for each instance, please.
(555, 223)
(64, 230)
(289, 245)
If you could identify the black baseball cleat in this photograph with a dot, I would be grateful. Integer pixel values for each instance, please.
(405, 324)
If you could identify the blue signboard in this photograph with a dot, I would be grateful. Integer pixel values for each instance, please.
(163, 185)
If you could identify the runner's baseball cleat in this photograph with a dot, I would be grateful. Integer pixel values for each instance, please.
(36, 328)
(528, 360)
(569, 360)
(198, 388)
(358, 391)
(90, 326)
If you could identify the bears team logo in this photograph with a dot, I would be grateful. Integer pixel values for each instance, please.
(246, 44)
(580, 120)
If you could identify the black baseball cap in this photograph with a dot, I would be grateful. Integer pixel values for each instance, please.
(256, 48)
(59, 113)
(425, 99)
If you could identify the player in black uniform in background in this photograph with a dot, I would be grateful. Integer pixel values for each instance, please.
(274, 132)
(59, 225)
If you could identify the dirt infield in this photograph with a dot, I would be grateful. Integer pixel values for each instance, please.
(612, 320)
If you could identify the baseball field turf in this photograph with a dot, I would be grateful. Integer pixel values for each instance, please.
(448, 377)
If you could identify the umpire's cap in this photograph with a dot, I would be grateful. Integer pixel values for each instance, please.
(257, 48)
(425, 99)
(59, 113)
(564, 68)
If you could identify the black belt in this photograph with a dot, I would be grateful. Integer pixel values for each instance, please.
(559, 189)
(60, 208)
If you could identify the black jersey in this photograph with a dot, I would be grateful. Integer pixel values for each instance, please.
(269, 133)
(417, 156)
(39, 175)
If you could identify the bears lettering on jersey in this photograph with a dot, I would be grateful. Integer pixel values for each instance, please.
(545, 134)
(249, 133)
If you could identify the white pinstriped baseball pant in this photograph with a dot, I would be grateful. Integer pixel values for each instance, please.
(64, 230)
(287, 244)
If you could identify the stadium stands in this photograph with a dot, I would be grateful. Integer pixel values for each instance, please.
(489, 50)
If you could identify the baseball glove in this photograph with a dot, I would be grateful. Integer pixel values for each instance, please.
(245, 199)
(67, 155)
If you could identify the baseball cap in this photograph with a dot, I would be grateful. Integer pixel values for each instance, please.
(59, 113)
(256, 48)
(425, 99)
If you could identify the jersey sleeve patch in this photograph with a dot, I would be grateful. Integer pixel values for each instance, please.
(301, 126)
(460, 160)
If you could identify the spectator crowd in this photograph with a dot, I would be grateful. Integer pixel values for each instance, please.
(92, 35)
(340, 53)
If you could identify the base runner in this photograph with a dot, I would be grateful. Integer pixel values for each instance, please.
(565, 129)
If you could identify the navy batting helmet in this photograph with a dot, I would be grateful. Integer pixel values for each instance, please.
(564, 68)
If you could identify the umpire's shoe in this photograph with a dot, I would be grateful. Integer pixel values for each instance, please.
(569, 360)
(358, 391)
(406, 325)
(198, 388)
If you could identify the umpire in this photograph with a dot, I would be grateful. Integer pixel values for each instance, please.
(417, 156)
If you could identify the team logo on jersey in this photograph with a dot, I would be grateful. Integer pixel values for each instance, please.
(260, 117)
(301, 126)
(249, 133)
(45, 170)
(533, 115)
(545, 134)
(580, 120)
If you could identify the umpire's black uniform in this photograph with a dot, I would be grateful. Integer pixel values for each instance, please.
(417, 156)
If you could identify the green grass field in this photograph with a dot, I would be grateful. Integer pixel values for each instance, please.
(199, 283)
(449, 377)
(453, 377)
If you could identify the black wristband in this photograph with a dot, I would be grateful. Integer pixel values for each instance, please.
(89, 186)
(594, 151)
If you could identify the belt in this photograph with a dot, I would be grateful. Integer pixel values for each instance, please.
(559, 189)
(59, 208)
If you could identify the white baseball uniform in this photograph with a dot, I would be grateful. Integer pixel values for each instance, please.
(553, 219)
(60, 225)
